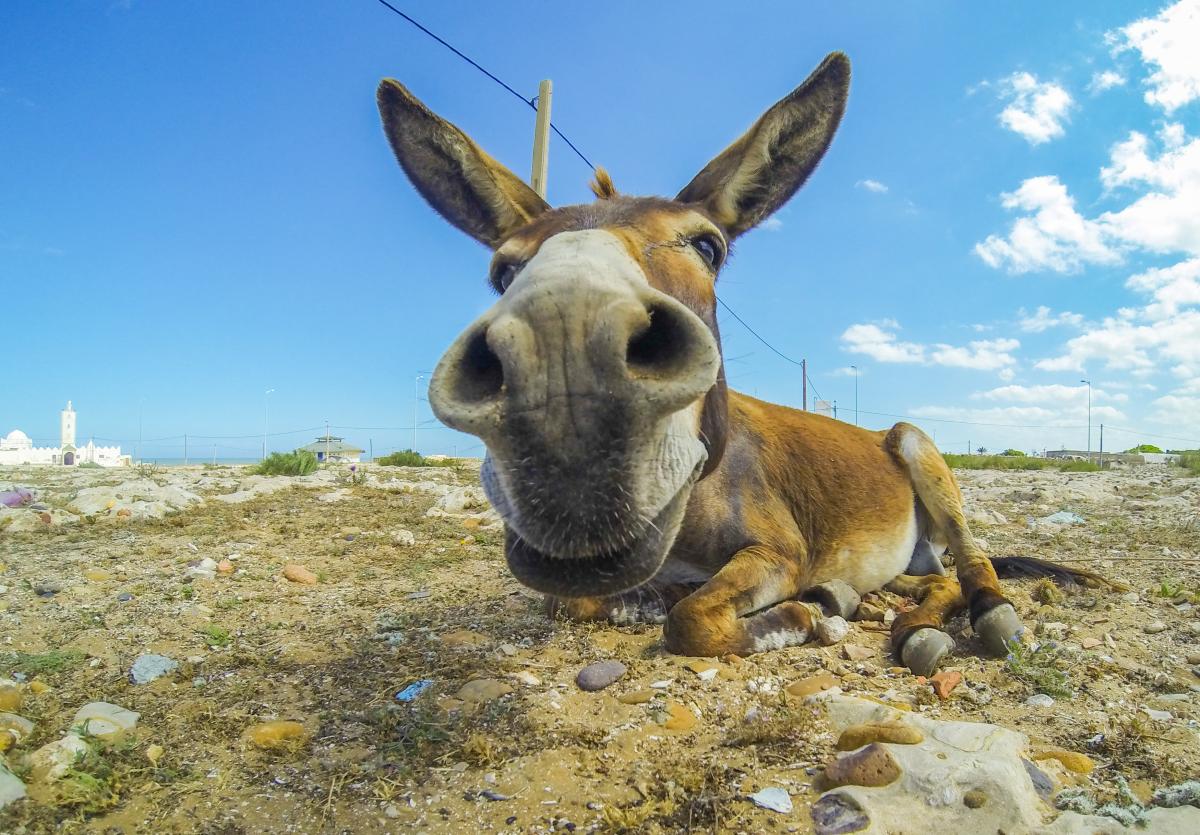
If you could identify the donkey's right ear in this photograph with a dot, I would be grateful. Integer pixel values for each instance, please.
(458, 179)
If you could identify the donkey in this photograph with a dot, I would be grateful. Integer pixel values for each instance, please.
(634, 485)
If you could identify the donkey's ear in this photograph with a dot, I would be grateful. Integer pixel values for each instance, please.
(761, 171)
(465, 185)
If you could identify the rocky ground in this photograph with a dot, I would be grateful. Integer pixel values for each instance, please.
(200, 650)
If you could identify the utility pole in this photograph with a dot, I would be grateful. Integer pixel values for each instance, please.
(326, 442)
(968, 446)
(266, 420)
(371, 445)
(541, 143)
(835, 410)
(1089, 443)
(804, 384)
(855, 367)
(416, 400)
(138, 456)
(1102, 445)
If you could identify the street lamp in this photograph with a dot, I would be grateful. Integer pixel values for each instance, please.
(1089, 444)
(266, 420)
(416, 401)
(855, 367)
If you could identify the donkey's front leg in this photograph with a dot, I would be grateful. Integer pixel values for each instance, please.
(744, 608)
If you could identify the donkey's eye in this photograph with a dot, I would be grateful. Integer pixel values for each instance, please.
(503, 274)
(711, 251)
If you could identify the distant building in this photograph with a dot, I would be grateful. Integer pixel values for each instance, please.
(17, 448)
(1114, 457)
(331, 450)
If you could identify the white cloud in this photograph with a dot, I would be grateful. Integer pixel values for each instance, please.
(1036, 110)
(1048, 394)
(771, 224)
(981, 355)
(1106, 80)
(1167, 218)
(879, 342)
(1054, 237)
(1171, 287)
(1017, 416)
(1169, 43)
(881, 345)
(872, 185)
(1043, 319)
(846, 371)
(1128, 345)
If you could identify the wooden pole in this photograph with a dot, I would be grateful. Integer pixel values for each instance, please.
(804, 384)
(541, 140)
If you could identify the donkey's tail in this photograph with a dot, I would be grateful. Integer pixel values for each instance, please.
(1025, 568)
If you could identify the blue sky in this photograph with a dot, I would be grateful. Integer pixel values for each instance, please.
(197, 204)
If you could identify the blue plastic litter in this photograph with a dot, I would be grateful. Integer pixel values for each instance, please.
(413, 690)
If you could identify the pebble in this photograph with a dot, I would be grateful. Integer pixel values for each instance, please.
(481, 690)
(944, 682)
(599, 675)
(871, 766)
(1072, 761)
(47, 589)
(813, 684)
(895, 731)
(1155, 627)
(526, 677)
(831, 630)
(404, 538)
(1157, 715)
(1193, 658)
(299, 574)
(853, 652)
(205, 569)
(275, 734)
(1130, 597)
(154, 753)
(462, 638)
(637, 697)
(1194, 627)
(10, 696)
(105, 720)
(225, 567)
(775, 799)
(975, 798)
(1039, 700)
(1090, 643)
(869, 612)
(679, 718)
(97, 575)
(14, 728)
(837, 813)
(148, 666)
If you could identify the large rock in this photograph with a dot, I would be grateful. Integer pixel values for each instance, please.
(142, 498)
(962, 777)
(54, 759)
(105, 720)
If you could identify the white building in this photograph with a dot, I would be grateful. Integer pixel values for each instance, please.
(17, 448)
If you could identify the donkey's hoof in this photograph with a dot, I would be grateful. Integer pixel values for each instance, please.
(925, 649)
(835, 597)
(998, 627)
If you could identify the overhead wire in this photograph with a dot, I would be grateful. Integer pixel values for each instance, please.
(529, 102)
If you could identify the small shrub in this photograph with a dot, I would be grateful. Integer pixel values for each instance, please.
(297, 462)
(1039, 668)
(1016, 453)
(410, 458)
(1190, 461)
(1079, 467)
(1140, 448)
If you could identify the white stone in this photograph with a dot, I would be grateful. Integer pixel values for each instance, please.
(1040, 700)
(773, 798)
(54, 759)
(105, 720)
(831, 630)
(11, 787)
(404, 538)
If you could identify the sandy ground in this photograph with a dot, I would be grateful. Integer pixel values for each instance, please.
(410, 586)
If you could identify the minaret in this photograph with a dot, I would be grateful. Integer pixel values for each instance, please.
(68, 426)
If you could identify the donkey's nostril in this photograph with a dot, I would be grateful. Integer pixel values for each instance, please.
(662, 347)
(480, 375)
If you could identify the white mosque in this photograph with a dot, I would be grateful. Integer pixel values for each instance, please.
(17, 448)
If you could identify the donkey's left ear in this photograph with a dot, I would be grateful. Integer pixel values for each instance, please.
(761, 171)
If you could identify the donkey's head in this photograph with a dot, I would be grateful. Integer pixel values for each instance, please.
(596, 379)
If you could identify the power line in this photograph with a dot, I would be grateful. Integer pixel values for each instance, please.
(529, 102)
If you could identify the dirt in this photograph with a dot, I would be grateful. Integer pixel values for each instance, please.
(545, 756)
